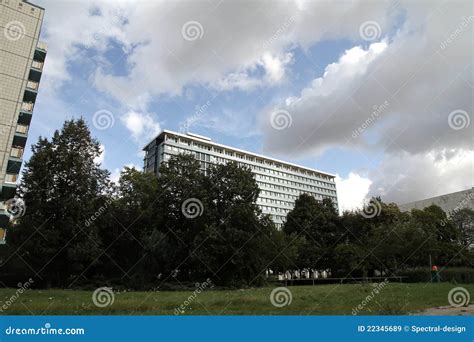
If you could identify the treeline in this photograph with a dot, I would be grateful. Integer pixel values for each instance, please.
(79, 228)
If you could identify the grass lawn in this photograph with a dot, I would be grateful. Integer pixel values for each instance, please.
(392, 299)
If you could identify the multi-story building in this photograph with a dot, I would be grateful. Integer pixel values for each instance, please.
(450, 203)
(21, 65)
(280, 182)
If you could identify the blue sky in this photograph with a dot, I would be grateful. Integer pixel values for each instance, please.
(334, 69)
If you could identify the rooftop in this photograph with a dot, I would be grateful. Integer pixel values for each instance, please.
(207, 140)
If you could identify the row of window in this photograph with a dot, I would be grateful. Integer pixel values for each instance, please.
(292, 183)
(293, 191)
(266, 208)
(213, 159)
(243, 156)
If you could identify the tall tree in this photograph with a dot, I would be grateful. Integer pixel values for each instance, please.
(318, 225)
(63, 189)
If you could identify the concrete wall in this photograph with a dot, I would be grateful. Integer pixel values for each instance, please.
(449, 202)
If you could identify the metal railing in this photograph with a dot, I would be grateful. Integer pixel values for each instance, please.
(11, 178)
(32, 85)
(28, 106)
(37, 65)
(16, 152)
(42, 46)
(22, 128)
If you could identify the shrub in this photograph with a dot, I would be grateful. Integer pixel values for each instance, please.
(464, 275)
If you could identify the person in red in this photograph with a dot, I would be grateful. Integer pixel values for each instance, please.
(435, 278)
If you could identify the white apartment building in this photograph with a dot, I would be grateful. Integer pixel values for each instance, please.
(22, 57)
(280, 182)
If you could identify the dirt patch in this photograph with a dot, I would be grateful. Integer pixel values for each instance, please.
(449, 311)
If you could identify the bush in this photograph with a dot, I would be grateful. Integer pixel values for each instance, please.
(464, 275)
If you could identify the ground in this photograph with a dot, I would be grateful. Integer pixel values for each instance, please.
(392, 299)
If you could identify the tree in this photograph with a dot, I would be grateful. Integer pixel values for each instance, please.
(238, 246)
(319, 227)
(125, 227)
(63, 189)
(463, 220)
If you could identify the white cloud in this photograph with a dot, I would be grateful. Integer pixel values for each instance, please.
(142, 126)
(352, 191)
(115, 175)
(404, 178)
(236, 39)
(101, 157)
(422, 81)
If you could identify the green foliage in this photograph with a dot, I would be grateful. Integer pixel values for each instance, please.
(318, 227)
(63, 188)
(458, 275)
(81, 229)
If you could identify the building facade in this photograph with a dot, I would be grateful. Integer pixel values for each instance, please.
(450, 203)
(280, 182)
(22, 58)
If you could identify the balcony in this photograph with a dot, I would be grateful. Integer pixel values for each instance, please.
(11, 178)
(22, 129)
(16, 152)
(42, 46)
(32, 85)
(37, 65)
(27, 106)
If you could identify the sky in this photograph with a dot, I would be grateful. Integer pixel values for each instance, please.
(377, 92)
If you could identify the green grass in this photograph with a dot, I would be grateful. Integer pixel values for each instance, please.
(393, 299)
